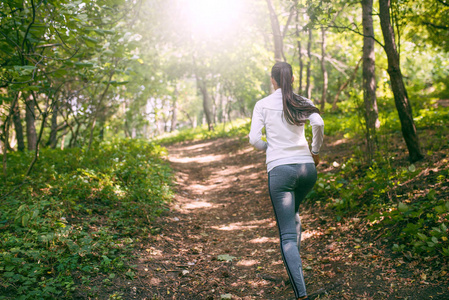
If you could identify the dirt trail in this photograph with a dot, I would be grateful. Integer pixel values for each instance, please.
(222, 207)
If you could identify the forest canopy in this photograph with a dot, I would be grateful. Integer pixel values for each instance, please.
(75, 72)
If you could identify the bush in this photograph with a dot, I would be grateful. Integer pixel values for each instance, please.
(78, 215)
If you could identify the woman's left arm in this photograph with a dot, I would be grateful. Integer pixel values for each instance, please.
(255, 134)
(317, 124)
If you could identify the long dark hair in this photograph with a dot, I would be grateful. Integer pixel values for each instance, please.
(296, 108)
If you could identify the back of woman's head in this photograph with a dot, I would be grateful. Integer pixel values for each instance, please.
(282, 73)
(296, 108)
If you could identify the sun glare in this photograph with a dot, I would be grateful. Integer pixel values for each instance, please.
(211, 17)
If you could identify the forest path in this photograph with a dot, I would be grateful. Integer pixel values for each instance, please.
(222, 207)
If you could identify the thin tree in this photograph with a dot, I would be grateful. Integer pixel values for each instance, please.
(30, 118)
(369, 77)
(202, 86)
(401, 99)
(309, 64)
(300, 60)
(18, 127)
(278, 35)
(323, 68)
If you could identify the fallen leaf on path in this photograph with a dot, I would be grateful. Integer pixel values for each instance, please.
(225, 257)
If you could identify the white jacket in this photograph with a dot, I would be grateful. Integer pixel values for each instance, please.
(286, 143)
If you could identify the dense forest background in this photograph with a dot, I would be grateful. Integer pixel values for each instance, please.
(89, 89)
(76, 72)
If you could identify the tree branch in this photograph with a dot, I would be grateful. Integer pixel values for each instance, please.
(29, 26)
(289, 19)
(358, 32)
(435, 25)
(36, 154)
(444, 3)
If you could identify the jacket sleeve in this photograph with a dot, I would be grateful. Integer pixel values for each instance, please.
(255, 134)
(317, 124)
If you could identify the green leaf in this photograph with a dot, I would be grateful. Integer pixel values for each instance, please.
(130, 274)
(402, 207)
(412, 168)
(108, 52)
(34, 88)
(421, 236)
(446, 251)
(25, 219)
(116, 83)
(225, 257)
(9, 268)
(90, 41)
(24, 70)
(84, 64)
(440, 209)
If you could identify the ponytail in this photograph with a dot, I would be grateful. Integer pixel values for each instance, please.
(296, 108)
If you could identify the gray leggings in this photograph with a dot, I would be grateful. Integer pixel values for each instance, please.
(288, 186)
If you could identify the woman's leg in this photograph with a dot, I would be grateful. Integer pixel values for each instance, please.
(284, 184)
(307, 177)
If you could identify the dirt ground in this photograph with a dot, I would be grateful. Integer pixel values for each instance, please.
(220, 239)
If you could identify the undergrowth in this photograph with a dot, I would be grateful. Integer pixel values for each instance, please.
(237, 128)
(77, 216)
(408, 204)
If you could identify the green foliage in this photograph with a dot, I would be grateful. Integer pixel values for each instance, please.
(78, 216)
(410, 207)
(420, 225)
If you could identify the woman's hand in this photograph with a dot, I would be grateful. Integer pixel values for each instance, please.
(316, 159)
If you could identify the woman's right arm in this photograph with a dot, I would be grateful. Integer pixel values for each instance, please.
(255, 134)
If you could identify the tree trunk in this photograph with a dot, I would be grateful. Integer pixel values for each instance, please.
(397, 84)
(323, 68)
(36, 151)
(30, 119)
(54, 126)
(18, 127)
(220, 114)
(98, 108)
(277, 35)
(301, 63)
(6, 132)
(174, 111)
(74, 138)
(206, 103)
(309, 64)
(369, 77)
(201, 84)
